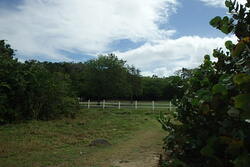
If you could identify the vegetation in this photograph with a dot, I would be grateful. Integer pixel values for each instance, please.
(29, 91)
(110, 78)
(65, 142)
(211, 126)
(154, 88)
(45, 90)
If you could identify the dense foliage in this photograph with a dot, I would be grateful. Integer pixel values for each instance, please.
(212, 123)
(29, 91)
(154, 88)
(46, 90)
(107, 77)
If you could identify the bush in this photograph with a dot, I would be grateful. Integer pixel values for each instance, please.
(211, 126)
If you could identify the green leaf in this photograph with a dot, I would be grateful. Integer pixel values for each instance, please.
(207, 57)
(207, 151)
(242, 102)
(195, 102)
(242, 78)
(225, 20)
(228, 4)
(225, 29)
(229, 45)
(219, 89)
(215, 22)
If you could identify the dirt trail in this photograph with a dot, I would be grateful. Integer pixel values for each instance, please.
(141, 150)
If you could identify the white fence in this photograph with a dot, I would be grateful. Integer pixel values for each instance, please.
(128, 105)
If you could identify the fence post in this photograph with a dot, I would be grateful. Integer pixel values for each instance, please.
(136, 104)
(103, 104)
(170, 106)
(119, 105)
(153, 105)
(89, 104)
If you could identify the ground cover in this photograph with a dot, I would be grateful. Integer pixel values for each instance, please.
(65, 142)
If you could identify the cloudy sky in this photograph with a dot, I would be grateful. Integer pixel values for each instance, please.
(157, 36)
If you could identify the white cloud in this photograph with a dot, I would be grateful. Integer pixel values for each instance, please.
(164, 57)
(43, 27)
(219, 3)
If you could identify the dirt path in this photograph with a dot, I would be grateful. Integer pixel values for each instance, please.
(141, 150)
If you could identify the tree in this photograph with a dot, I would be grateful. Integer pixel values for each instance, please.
(29, 91)
(11, 84)
(152, 88)
(134, 82)
(106, 78)
(49, 94)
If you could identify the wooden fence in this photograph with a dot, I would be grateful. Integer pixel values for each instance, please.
(128, 105)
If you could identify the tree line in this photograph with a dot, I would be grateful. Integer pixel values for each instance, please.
(108, 77)
(46, 90)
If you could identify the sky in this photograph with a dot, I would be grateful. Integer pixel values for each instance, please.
(157, 36)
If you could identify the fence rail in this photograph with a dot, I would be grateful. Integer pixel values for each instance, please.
(129, 105)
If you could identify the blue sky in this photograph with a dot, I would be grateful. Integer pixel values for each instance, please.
(157, 36)
(192, 18)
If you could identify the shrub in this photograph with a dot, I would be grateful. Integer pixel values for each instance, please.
(211, 126)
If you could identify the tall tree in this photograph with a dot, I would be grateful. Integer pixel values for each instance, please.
(106, 77)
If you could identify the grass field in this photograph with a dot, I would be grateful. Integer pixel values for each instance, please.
(51, 143)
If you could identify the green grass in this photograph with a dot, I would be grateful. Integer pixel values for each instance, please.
(49, 143)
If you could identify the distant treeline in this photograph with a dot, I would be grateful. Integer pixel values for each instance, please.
(46, 90)
(107, 77)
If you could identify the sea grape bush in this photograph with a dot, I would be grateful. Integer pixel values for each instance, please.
(212, 122)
